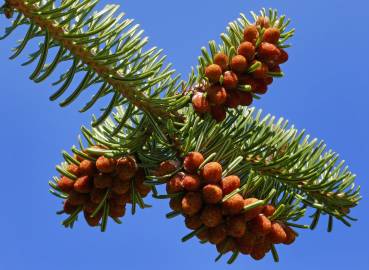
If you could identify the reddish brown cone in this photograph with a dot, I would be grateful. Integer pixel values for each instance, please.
(233, 205)
(192, 161)
(246, 49)
(239, 64)
(213, 72)
(221, 59)
(106, 165)
(200, 103)
(191, 203)
(230, 183)
(212, 172)
(191, 182)
(212, 194)
(65, 184)
(251, 34)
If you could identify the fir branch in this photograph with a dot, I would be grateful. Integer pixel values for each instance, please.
(108, 51)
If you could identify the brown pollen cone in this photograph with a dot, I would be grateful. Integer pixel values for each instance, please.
(203, 235)
(233, 99)
(247, 79)
(230, 80)
(247, 49)
(217, 234)
(272, 35)
(87, 167)
(230, 183)
(97, 195)
(246, 98)
(192, 161)
(277, 234)
(83, 184)
(236, 226)
(126, 168)
(213, 72)
(103, 181)
(175, 184)
(239, 64)
(246, 243)
(226, 246)
(261, 72)
(233, 205)
(69, 208)
(116, 199)
(200, 103)
(117, 211)
(89, 207)
(73, 169)
(176, 204)
(217, 94)
(106, 165)
(260, 225)
(120, 187)
(253, 213)
(191, 203)
(212, 172)
(76, 198)
(93, 221)
(221, 59)
(212, 194)
(291, 235)
(194, 222)
(167, 167)
(268, 210)
(268, 52)
(211, 216)
(251, 34)
(268, 80)
(283, 57)
(260, 87)
(191, 182)
(218, 112)
(65, 184)
(258, 253)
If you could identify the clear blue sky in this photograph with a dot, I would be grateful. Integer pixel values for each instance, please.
(326, 91)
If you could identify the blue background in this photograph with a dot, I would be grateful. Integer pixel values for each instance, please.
(325, 91)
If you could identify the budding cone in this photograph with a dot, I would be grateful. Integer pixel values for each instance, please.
(211, 216)
(217, 234)
(213, 72)
(236, 226)
(246, 49)
(192, 161)
(230, 183)
(271, 35)
(212, 194)
(251, 34)
(212, 172)
(233, 205)
(200, 103)
(191, 182)
(191, 203)
(221, 59)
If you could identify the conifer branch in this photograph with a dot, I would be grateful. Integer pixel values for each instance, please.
(260, 172)
(103, 47)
